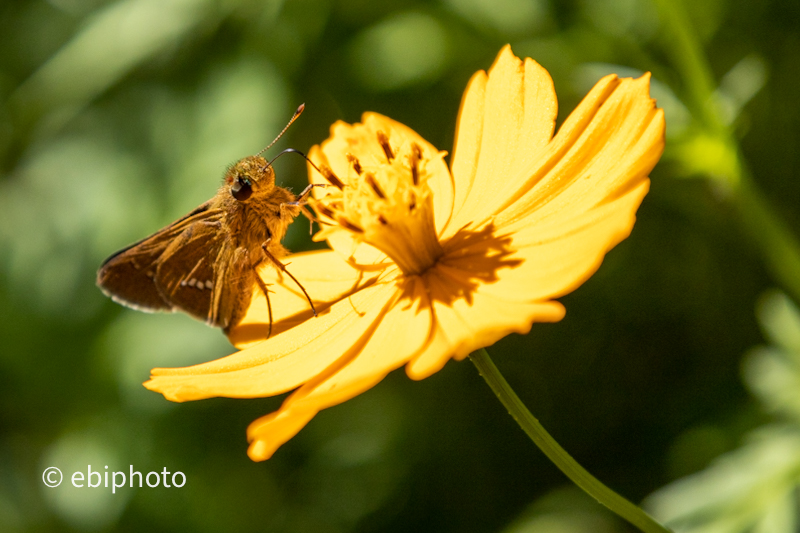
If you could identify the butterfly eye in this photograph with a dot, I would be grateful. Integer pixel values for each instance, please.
(241, 189)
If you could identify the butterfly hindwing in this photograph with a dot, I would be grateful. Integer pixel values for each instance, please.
(234, 288)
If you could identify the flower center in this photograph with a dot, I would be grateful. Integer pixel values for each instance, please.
(387, 205)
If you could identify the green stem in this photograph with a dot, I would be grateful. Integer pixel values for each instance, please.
(688, 56)
(770, 235)
(768, 232)
(556, 453)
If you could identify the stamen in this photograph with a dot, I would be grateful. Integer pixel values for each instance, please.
(323, 210)
(356, 165)
(349, 225)
(331, 177)
(388, 204)
(370, 179)
(416, 155)
(383, 140)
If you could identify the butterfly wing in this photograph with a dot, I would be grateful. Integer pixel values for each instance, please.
(129, 276)
(203, 274)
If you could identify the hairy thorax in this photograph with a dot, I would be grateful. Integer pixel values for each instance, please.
(262, 220)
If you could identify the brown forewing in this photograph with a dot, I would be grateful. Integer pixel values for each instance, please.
(135, 276)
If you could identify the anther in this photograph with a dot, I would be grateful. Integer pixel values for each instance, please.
(349, 225)
(416, 155)
(323, 210)
(383, 140)
(370, 179)
(331, 177)
(356, 165)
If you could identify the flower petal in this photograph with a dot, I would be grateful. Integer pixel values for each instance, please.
(557, 256)
(464, 324)
(325, 277)
(286, 360)
(528, 267)
(506, 119)
(605, 148)
(399, 336)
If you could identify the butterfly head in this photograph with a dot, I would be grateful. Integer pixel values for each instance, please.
(249, 178)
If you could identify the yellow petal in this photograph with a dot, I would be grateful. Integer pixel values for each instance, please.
(551, 259)
(468, 317)
(324, 275)
(399, 336)
(491, 284)
(270, 432)
(605, 148)
(506, 120)
(286, 360)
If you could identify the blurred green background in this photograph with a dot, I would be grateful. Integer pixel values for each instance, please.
(118, 117)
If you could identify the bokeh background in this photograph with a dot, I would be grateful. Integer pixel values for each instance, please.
(673, 378)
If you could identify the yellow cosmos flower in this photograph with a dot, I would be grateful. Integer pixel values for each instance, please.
(429, 264)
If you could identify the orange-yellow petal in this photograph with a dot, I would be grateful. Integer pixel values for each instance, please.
(499, 283)
(549, 259)
(397, 338)
(605, 148)
(560, 255)
(285, 361)
(507, 118)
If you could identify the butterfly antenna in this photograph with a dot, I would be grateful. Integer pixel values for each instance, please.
(301, 154)
(294, 117)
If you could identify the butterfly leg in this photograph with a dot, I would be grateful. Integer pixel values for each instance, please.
(282, 268)
(301, 203)
(265, 290)
(307, 190)
(300, 200)
(310, 216)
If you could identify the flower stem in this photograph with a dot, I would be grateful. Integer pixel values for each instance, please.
(770, 235)
(768, 232)
(691, 63)
(556, 453)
